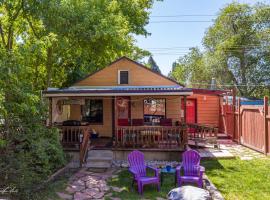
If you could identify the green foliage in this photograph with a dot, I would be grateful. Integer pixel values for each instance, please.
(53, 43)
(236, 51)
(192, 69)
(61, 41)
(29, 151)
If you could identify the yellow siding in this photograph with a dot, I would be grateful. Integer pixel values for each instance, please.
(104, 129)
(207, 109)
(173, 108)
(138, 76)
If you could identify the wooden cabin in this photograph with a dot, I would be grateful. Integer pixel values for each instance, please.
(203, 106)
(132, 105)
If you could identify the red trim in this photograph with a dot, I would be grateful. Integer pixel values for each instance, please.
(210, 92)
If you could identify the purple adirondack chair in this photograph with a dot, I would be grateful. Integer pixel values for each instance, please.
(193, 172)
(138, 168)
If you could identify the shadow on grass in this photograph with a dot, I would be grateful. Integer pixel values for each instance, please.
(124, 180)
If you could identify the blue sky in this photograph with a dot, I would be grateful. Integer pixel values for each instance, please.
(168, 41)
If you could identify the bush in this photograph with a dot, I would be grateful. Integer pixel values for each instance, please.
(29, 151)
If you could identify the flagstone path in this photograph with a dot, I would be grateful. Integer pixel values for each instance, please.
(85, 185)
(241, 151)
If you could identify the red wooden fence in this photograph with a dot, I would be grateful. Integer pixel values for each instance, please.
(248, 125)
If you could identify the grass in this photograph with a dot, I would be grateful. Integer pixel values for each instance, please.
(124, 180)
(239, 179)
(236, 179)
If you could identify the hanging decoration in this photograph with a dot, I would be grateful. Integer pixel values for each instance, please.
(122, 107)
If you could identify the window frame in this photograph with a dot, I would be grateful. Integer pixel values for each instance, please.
(94, 123)
(165, 107)
(119, 77)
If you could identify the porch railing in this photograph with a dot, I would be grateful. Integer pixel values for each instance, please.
(172, 137)
(72, 136)
(201, 133)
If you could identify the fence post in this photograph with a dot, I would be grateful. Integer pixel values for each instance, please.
(266, 133)
(239, 122)
(233, 111)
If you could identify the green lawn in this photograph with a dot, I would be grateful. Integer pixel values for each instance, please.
(236, 179)
(240, 180)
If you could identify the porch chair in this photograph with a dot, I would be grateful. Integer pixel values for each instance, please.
(193, 172)
(138, 169)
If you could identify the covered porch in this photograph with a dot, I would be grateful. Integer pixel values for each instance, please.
(146, 117)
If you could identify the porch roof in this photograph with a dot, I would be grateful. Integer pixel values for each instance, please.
(117, 91)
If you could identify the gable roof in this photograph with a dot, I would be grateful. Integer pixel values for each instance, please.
(137, 63)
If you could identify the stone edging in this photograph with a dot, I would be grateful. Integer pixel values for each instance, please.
(215, 194)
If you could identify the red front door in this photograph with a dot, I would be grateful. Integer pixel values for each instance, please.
(190, 110)
(122, 111)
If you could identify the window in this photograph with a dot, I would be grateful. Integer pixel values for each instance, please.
(92, 111)
(154, 110)
(123, 77)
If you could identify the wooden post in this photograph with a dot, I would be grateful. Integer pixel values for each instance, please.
(239, 121)
(185, 109)
(185, 135)
(233, 111)
(50, 111)
(115, 142)
(113, 118)
(266, 133)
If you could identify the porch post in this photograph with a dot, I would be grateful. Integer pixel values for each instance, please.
(50, 111)
(115, 131)
(113, 118)
(185, 109)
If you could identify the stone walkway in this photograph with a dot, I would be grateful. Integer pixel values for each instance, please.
(230, 149)
(240, 151)
(85, 185)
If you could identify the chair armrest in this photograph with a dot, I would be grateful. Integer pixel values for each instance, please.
(178, 168)
(156, 170)
(178, 171)
(202, 170)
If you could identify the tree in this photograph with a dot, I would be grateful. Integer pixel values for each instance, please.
(192, 69)
(52, 43)
(67, 39)
(153, 65)
(236, 52)
(239, 38)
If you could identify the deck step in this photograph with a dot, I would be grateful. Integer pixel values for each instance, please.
(101, 159)
(100, 165)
